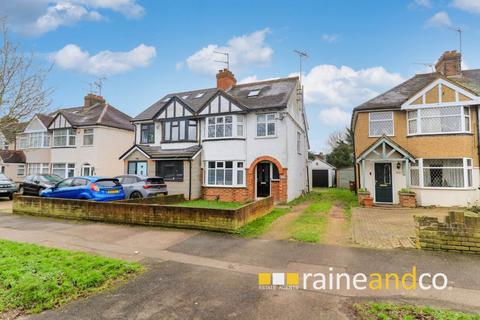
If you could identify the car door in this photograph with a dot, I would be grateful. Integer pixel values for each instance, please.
(77, 191)
(63, 188)
(35, 186)
(27, 185)
(128, 184)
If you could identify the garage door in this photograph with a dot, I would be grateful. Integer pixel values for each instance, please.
(320, 178)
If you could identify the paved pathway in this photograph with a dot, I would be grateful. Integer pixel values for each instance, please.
(197, 275)
(279, 229)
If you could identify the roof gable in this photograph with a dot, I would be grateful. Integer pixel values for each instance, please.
(221, 103)
(174, 108)
(383, 149)
(59, 122)
(35, 125)
(441, 92)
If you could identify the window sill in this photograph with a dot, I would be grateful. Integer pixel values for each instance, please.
(64, 147)
(180, 141)
(388, 135)
(440, 134)
(221, 139)
(266, 137)
(444, 188)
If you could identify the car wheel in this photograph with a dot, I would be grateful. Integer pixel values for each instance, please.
(136, 195)
(10, 196)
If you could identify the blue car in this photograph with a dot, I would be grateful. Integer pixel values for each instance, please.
(88, 188)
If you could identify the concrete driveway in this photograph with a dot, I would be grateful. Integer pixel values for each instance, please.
(200, 275)
(5, 205)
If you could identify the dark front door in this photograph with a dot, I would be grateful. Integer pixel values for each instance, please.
(383, 182)
(263, 179)
(320, 178)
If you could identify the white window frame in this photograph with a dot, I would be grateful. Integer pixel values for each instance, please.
(266, 122)
(67, 167)
(21, 170)
(88, 132)
(68, 133)
(237, 166)
(238, 126)
(37, 168)
(382, 120)
(463, 116)
(467, 172)
(90, 169)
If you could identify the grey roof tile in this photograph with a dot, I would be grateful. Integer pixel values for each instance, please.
(157, 152)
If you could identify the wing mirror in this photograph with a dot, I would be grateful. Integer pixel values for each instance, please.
(36, 181)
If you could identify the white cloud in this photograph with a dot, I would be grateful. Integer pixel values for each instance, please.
(439, 20)
(345, 87)
(179, 65)
(36, 17)
(472, 6)
(423, 3)
(72, 57)
(254, 78)
(334, 116)
(249, 50)
(330, 38)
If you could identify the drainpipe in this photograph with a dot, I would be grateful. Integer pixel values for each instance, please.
(355, 169)
(190, 179)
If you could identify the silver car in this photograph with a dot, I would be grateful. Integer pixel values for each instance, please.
(7, 187)
(137, 186)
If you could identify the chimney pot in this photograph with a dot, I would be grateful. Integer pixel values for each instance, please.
(91, 99)
(449, 64)
(225, 79)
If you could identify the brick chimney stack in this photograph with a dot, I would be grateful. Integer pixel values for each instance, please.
(91, 99)
(449, 64)
(225, 79)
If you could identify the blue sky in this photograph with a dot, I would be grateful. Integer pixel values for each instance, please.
(356, 49)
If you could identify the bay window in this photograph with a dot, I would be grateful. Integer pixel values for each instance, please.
(380, 123)
(225, 173)
(266, 125)
(170, 170)
(64, 170)
(223, 126)
(181, 130)
(439, 120)
(64, 137)
(34, 140)
(38, 168)
(442, 173)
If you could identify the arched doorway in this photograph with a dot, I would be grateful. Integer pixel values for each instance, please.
(266, 174)
(267, 178)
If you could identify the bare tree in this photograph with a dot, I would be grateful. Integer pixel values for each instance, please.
(22, 85)
(335, 137)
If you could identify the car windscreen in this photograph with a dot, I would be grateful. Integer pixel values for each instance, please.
(155, 181)
(50, 178)
(3, 177)
(107, 183)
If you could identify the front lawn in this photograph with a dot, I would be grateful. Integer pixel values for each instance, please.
(380, 311)
(312, 222)
(258, 226)
(209, 204)
(35, 278)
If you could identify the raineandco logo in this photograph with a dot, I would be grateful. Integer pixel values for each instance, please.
(332, 280)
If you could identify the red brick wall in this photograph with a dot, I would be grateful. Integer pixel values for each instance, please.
(225, 194)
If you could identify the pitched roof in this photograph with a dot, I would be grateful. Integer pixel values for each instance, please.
(46, 119)
(395, 97)
(12, 156)
(273, 94)
(98, 114)
(157, 152)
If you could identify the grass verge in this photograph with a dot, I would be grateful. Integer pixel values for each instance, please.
(311, 224)
(260, 225)
(344, 197)
(377, 311)
(209, 204)
(35, 278)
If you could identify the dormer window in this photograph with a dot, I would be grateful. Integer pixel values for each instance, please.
(166, 99)
(199, 95)
(253, 93)
(185, 96)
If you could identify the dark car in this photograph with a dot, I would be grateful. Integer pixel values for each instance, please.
(34, 184)
(87, 188)
(7, 187)
(137, 186)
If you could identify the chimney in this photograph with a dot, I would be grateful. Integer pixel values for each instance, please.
(225, 79)
(91, 99)
(449, 64)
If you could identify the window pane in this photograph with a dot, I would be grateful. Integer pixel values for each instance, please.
(211, 131)
(239, 176)
(211, 164)
(378, 128)
(211, 120)
(271, 129)
(228, 130)
(229, 164)
(192, 132)
(228, 177)
(228, 119)
(261, 118)
(412, 114)
(261, 129)
(175, 129)
(414, 177)
(270, 117)
(381, 115)
(211, 176)
(220, 176)
(240, 130)
(220, 131)
(412, 126)
(182, 130)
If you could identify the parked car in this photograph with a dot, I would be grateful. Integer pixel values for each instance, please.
(88, 188)
(7, 186)
(138, 186)
(32, 185)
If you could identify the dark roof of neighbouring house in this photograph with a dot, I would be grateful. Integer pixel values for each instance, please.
(273, 94)
(395, 97)
(157, 152)
(12, 156)
(46, 119)
(102, 114)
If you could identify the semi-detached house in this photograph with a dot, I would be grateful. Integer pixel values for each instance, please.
(233, 142)
(84, 140)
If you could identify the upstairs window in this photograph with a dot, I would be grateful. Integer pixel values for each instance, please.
(184, 130)
(266, 125)
(88, 137)
(147, 133)
(225, 126)
(380, 123)
(439, 120)
(64, 138)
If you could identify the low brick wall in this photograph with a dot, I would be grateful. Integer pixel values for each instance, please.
(457, 233)
(226, 220)
(161, 199)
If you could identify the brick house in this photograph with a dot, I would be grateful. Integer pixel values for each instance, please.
(422, 135)
(233, 142)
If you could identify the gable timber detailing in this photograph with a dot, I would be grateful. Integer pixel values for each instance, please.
(175, 108)
(59, 122)
(441, 93)
(220, 104)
